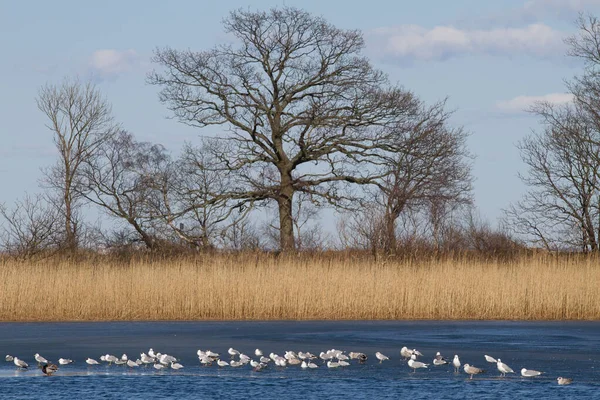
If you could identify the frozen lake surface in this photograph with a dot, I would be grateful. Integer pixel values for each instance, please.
(569, 349)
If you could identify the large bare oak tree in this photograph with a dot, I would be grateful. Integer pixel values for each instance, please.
(304, 111)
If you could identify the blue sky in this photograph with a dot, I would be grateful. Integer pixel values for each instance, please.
(492, 59)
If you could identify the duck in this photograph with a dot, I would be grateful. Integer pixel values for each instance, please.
(49, 368)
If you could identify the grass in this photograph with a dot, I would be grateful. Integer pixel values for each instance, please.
(266, 287)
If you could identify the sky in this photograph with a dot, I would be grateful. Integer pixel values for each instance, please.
(492, 60)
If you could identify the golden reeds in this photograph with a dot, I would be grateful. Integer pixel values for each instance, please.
(264, 287)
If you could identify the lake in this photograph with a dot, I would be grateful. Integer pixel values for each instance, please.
(569, 349)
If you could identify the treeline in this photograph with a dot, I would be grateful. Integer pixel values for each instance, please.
(308, 125)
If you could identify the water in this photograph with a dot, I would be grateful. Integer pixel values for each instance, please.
(570, 349)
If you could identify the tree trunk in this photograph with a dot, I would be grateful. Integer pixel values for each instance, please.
(147, 239)
(390, 242)
(286, 224)
(70, 243)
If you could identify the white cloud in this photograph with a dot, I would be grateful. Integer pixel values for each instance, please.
(111, 63)
(523, 103)
(413, 42)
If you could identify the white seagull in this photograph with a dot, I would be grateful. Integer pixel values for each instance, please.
(222, 363)
(414, 364)
(456, 363)
(406, 352)
(233, 352)
(9, 358)
(176, 366)
(159, 366)
(40, 360)
(490, 359)
(20, 363)
(258, 352)
(132, 364)
(381, 357)
(91, 361)
(64, 361)
(439, 359)
(530, 372)
(503, 368)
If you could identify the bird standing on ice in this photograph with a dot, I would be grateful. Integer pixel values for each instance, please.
(471, 370)
(40, 360)
(381, 357)
(503, 368)
(20, 363)
(456, 363)
(414, 364)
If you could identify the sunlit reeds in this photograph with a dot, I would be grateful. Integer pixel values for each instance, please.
(264, 287)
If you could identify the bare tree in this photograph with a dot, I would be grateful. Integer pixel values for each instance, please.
(301, 105)
(561, 208)
(193, 204)
(431, 165)
(30, 228)
(124, 177)
(80, 120)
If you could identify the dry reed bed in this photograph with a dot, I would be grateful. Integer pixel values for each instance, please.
(265, 287)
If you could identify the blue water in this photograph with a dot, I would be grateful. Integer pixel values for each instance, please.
(570, 349)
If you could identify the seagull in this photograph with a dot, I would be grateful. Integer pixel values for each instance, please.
(490, 359)
(381, 357)
(40, 360)
(258, 352)
(91, 361)
(332, 364)
(414, 364)
(362, 358)
(265, 360)
(564, 381)
(294, 361)
(151, 353)
(259, 367)
(48, 369)
(176, 366)
(503, 368)
(64, 361)
(530, 372)
(9, 358)
(471, 370)
(159, 366)
(132, 364)
(456, 363)
(233, 352)
(304, 365)
(405, 352)
(312, 365)
(20, 363)
(222, 363)
(110, 359)
(439, 359)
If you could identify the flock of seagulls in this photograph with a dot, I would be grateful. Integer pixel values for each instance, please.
(331, 359)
